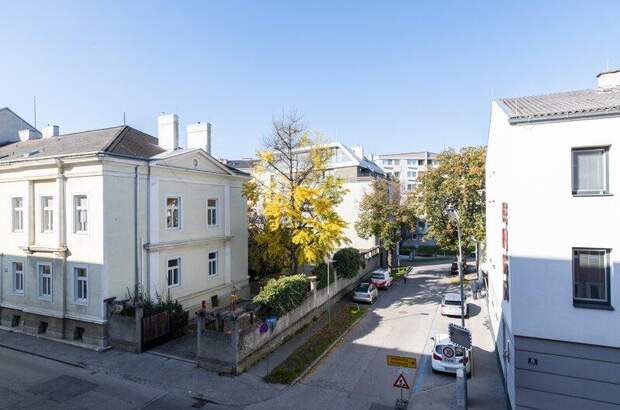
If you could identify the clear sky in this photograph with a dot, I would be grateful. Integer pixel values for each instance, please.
(392, 76)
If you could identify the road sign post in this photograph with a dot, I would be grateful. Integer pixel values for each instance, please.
(402, 384)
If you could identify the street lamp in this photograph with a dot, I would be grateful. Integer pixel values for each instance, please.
(453, 215)
(329, 302)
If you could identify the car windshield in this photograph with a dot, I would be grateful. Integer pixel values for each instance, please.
(362, 288)
(452, 302)
(377, 276)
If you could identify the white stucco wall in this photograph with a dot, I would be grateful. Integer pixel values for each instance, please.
(349, 211)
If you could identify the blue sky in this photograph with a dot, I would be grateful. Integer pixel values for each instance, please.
(392, 76)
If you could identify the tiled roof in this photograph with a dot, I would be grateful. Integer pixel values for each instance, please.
(566, 105)
(123, 140)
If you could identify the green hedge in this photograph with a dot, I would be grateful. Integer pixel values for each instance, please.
(282, 295)
(426, 251)
(347, 262)
(320, 271)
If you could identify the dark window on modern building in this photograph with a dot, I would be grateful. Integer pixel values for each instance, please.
(591, 274)
(590, 171)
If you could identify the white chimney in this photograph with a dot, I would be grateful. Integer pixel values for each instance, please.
(51, 131)
(609, 79)
(28, 134)
(358, 150)
(168, 131)
(199, 136)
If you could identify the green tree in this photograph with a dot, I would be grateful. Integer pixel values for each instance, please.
(295, 198)
(457, 182)
(382, 214)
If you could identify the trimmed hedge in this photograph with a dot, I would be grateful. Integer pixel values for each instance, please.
(426, 251)
(347, 262)
(320, 271)
(282, 295)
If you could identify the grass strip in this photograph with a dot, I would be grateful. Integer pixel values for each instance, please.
(343, 318)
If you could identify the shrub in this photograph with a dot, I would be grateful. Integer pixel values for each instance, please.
(347, 262)
(320, 271)
(282, 295)
(426, 251)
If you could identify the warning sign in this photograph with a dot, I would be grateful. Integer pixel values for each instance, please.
(400, 382)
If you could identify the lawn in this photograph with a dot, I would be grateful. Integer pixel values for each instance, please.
(343, 317)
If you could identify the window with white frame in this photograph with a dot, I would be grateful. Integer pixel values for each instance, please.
(18, 214)
(590, 174)
(45, 280)
(387, 162)
(591, 274)
(412, 162)
(411, 174)
(80, 221)
(80, 275)
(18, 277)
(213, 263)
(420, 162)
(173, 212)
(410, 187)
(174, 272)
(47, 213)
(212, 212)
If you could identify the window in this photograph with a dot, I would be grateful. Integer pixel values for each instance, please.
(81, 284)
(45, 280)
(212, 263)
(397, 174)
(590, 175)
(420, 162)
(18, 277)
(47, 213)
(174, 272)
(412, 162)
(397, 162)
(172, 212)
(212, 212)
(387, 162)
(591, 272)
(410, 187)
(411, 174)
(18, 214)
(80, 221)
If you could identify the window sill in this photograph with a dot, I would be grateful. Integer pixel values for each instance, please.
(591, 195)
(16, 293)
(80, 302)
(586, 305)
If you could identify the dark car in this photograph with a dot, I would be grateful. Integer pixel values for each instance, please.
(454, 269)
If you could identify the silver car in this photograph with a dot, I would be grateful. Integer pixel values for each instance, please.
(365, 292)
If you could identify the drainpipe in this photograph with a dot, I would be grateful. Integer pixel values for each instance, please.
(135, 232)
(62, 239)
(148, 228)
(2, 276)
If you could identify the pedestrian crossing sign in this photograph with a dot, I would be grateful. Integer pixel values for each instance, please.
(401, 383)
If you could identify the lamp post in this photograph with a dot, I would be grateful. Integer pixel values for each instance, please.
(329, 302)
(462, 375)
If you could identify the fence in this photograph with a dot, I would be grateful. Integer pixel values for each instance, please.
(139, 333)
(246, 340)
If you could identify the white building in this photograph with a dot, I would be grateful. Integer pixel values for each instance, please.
(88, 216)
(553, 247)
(406, 167)
(358, 172)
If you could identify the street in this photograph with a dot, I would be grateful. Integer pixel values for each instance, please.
(353, 376)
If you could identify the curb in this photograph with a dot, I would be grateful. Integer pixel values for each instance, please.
(329, 349)
(74, 364)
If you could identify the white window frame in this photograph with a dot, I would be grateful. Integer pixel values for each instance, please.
(605, 151)
(44, 211)
(412, 174)
(14, 272)
(216, 211)
(17, 214)
(169, 269)
(217, 263)
(40, 278)
(179, 209)
(76, 281)
(77, 209)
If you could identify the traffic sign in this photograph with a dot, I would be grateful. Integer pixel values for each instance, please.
(401, 383)
(460, 336)
(401, 361)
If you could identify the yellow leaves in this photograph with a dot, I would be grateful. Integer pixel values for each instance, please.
(266, 156)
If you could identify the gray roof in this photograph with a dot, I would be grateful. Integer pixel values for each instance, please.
(566, 105)
(241, 163)
(121, 141)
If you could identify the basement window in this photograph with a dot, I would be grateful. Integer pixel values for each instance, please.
(15, 320)
(78, 333)
(42, 328)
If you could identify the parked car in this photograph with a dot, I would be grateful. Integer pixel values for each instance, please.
(381, 278)
(451, 305)
(447, 357)
(454, 269)
(365, 292)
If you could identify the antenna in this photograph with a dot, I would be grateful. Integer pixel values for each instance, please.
(124, 121)
(35, 111)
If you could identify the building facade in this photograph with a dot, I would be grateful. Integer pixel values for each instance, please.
(94, 215)
(406, 167)
(552, 247)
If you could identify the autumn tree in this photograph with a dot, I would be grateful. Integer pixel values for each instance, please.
(295, 198)
(457, 182)
(384, 215)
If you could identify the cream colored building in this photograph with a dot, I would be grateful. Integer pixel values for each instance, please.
(88, 216)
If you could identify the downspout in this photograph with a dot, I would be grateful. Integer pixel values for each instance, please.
(1, 278)
(135, 232)
(62, 238)
(148, 228)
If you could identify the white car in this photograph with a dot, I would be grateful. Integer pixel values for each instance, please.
(447, 357)
(451, 305)
(365, 292)
(381, 278)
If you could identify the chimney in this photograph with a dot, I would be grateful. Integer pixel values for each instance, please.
(358, 150)
(168, 131)
(51, 131)
(28, 134)
(609, 79)
(199, 136)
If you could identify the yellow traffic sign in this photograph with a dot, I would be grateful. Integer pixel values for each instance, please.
(401, 361)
